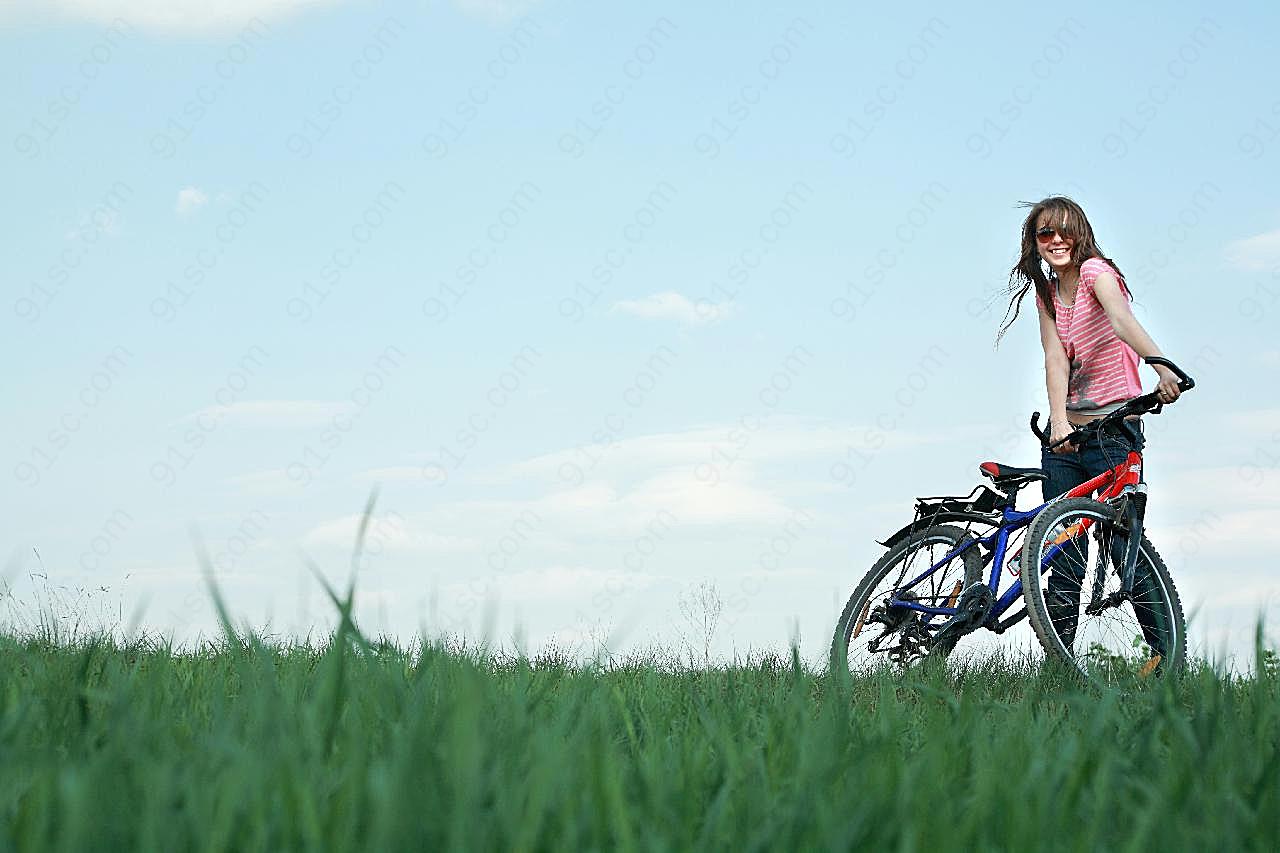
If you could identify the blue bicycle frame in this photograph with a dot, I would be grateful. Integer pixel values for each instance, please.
(1011, 521)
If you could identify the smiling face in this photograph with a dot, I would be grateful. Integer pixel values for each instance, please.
(1068, 241)
(1053, 244)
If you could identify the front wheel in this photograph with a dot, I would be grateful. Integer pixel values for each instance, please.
(1072, 558)
(872, 632)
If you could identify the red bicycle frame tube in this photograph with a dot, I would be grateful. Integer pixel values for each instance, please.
(1112, 483)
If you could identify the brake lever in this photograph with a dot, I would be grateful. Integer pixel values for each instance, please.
(1076, 436)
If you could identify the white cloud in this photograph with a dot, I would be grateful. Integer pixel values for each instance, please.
(395, 473)
(1260, 421)
(694, 501)
(1260, 252)
(1213, 518)
(102, 220)
(619, 510)
(496, 12)
(637, 479)
(190, 199)
(759, 438)
(272, 482)
(557, 583)
(582, 519)
(165, 17)
(389, 531)
(1197, 490)
(1224, 532)
(670, 305)
(272, 414)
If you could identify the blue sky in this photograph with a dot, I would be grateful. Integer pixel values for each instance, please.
(610, 303)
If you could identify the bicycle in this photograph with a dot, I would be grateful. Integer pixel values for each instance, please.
(1110, 615)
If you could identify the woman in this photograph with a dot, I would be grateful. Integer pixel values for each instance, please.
(1092, 343)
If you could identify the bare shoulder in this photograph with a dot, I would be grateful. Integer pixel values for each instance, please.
(1095, 267)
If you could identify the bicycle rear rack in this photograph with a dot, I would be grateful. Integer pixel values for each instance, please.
(981, 500)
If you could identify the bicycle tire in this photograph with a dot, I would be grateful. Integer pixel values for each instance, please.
(856, 611)
(1100, 646)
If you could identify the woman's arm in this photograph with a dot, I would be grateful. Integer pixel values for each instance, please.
(1129, 330)
(1057, 369)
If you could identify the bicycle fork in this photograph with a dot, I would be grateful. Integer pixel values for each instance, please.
(1130, 515)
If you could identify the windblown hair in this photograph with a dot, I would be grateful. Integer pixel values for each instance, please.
(1032, 271)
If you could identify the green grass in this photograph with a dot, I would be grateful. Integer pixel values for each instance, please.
(247, 746)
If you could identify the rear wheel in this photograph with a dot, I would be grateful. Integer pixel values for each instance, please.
(1071, 562)
(872, 633)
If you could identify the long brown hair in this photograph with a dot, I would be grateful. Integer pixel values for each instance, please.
(1030, 269)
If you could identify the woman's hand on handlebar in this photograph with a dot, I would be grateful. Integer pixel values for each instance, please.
(1059, 430)
(1168, 390)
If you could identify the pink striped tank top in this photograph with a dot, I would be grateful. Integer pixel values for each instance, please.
(1104, 369)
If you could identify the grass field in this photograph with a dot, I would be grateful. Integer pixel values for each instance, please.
(358, 746)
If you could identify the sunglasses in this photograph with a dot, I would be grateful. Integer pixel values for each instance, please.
(1045, 234)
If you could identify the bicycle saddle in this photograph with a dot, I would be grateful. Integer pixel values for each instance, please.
(1007, 475)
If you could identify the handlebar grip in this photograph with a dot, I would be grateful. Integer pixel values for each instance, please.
(1035, 428)
(1185, 382)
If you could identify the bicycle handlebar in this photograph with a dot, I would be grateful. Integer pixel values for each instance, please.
(1185, 382)
(1140, 405)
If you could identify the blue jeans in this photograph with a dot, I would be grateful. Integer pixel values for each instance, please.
(1065, 471)
(1102, 453)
